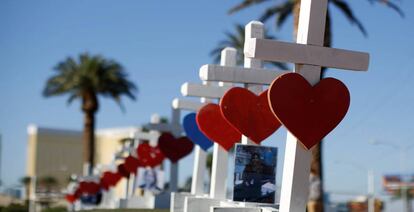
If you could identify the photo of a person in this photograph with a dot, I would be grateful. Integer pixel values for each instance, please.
(254, 178)
(150, 179)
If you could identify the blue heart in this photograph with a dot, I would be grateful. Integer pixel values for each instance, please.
(194, 134)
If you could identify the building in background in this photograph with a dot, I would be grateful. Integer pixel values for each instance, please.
(57, 154)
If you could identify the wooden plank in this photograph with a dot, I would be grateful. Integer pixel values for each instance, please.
(296, 168)
(163, 127)
(272, 50)
(238, 74)
(253, 29)
(186, 104)
(218, 185)
(208, 91)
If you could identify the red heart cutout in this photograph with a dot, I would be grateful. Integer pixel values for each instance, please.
(131, 164)
(89, 187)
(249, 114)
(71, 198)
(175, 148)
(212, 123)
(309, 113)
(122, 171)
(149, 156)
(109, 179)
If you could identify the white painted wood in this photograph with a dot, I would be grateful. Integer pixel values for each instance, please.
(176, 131)
(199, 167)
(200, 156)
(238, 74)
(208, 91)
(163, 127)
(307, 54)
(254, 29)
(218, 186)
(183, 104)
(296, 170)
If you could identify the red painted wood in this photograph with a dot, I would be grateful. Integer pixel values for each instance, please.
(149, 156)
(175, 148)
(131, 164)
(212, 123)
(309, 113)
(122, 171)
(249, 114)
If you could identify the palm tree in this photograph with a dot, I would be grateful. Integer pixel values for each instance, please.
(85, 79)
(281, 11)
(26, 183)
(236, 40)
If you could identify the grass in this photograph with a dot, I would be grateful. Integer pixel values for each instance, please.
(129, 210)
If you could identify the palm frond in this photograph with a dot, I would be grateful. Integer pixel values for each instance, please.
(281, 11)
(344, 7)
(389, 4)
(90, 74)
(244, 4)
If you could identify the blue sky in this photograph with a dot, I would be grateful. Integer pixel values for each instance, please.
(162, 44)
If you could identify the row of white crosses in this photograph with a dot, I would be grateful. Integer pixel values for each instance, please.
(308, 56)
(252, 75)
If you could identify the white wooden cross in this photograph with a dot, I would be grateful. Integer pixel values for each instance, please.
(252, 74)
(308, 56)
(200, 156)
(175, 128)
(218, 184)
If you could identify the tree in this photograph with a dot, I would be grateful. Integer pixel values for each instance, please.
(281, 11)
(85, 79)
(236, 40)
(48, 183)
(26, 180)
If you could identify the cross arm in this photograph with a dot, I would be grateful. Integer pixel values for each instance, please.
(272, 50)
(236, 74)
(208, 91)
(163, 127)
(186, 105)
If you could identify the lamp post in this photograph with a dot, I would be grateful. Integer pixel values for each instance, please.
(404, 188)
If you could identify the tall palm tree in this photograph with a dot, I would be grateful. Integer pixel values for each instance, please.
(281, 11)
(85, 79)
(236, 40)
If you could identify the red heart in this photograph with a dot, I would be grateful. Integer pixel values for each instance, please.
(131, 164)
(212, 123)
(175, 148)
(110, 179)
(89, 187)
(249, 114)
(122, 171)
(71, 198)
(149, 156)
(309, 113)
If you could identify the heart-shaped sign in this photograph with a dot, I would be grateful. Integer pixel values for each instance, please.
(309, 113)
(194, 134)
(131, 164)
(71, 198)
(174, 148)
(249, 114)
(212, 123)
(109, 179)
(122, 170)
(149, 156)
